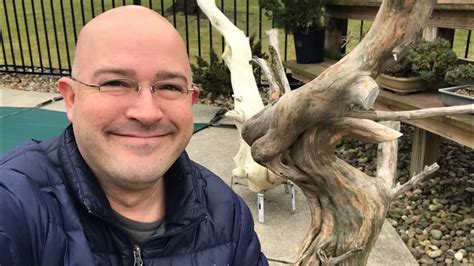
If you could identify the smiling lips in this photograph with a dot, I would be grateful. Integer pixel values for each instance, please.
(140, 144)
(140, 136)
(140, 139)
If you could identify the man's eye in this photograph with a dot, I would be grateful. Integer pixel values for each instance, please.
(171, 87)
(117, 83)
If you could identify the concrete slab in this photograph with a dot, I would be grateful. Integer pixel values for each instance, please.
(19, 98)
(55, 106)
(282, 232)
(204, 113)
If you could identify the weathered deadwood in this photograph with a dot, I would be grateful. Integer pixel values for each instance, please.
(295, 138)
(247, 101)
(393, 31)
(414, 114)
(275, 73)
(399, 190)
(274, 91)
(347, 206)
(277, 64)
(387, 153)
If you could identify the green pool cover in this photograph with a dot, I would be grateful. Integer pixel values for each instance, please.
(18, 125)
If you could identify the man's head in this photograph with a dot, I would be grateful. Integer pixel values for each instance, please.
(131, 140)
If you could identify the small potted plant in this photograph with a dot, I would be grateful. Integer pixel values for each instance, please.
(423, 68)
(461, 80)
(400, 78)
(431, 60)
(304, 19)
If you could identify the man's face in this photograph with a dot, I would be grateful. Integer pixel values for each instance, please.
(130, 140)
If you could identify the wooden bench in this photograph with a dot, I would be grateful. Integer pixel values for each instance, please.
(428, 131)
(447, 16)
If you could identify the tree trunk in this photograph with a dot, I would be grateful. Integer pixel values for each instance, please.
(295, 138)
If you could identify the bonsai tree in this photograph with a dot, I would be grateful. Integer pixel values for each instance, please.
(431, 60)
(401, 68)
(427, 61)
(295, 15)
(460, 75)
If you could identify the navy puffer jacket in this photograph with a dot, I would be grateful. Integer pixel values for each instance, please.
(53, 212)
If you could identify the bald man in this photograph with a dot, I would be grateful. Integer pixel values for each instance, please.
(117, 188)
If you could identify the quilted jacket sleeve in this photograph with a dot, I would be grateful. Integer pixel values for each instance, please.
(248, 250)
(15, 239)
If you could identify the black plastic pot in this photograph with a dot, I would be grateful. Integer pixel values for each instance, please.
(294, 83)
(309, 46)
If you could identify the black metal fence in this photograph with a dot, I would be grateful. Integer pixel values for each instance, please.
(39, 36)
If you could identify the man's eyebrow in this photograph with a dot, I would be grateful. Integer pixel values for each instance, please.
(119, 71)
(165, 75)
(128, 72)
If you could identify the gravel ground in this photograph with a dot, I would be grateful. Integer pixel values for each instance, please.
(435, 219)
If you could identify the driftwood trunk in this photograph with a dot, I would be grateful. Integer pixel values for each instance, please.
(295, 137)
(247, 101)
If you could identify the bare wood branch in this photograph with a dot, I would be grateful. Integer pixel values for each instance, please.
(364, 91)
(415, 114)
(364, 129)
(399, 190)
(274, 92)
(237, 56)
(273, 40)
(279, 70)
(387, 156)
(329, 261)
(247, 100)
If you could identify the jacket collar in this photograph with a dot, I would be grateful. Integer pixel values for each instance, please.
(183, 183)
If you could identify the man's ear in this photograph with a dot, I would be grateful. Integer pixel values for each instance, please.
(196, 92)
(68, 93)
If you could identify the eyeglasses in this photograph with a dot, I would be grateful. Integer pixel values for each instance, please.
(123, 86)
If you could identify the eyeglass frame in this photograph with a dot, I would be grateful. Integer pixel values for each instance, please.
(137, 87)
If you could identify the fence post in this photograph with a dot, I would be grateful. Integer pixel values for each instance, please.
(137, 2)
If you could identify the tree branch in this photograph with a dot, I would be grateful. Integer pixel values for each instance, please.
(399, 190)
(414, 114)
(387, 156)
(278, 68)
(274, 92)
(366, 130)
(364, 91)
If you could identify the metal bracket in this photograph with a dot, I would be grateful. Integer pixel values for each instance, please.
(289, 188)
(261, 206)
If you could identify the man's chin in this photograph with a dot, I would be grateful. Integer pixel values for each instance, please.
(141, 150)
(136, 179)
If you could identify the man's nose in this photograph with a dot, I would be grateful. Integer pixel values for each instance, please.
(145, 106)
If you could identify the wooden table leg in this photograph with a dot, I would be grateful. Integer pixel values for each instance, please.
(425, 150)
